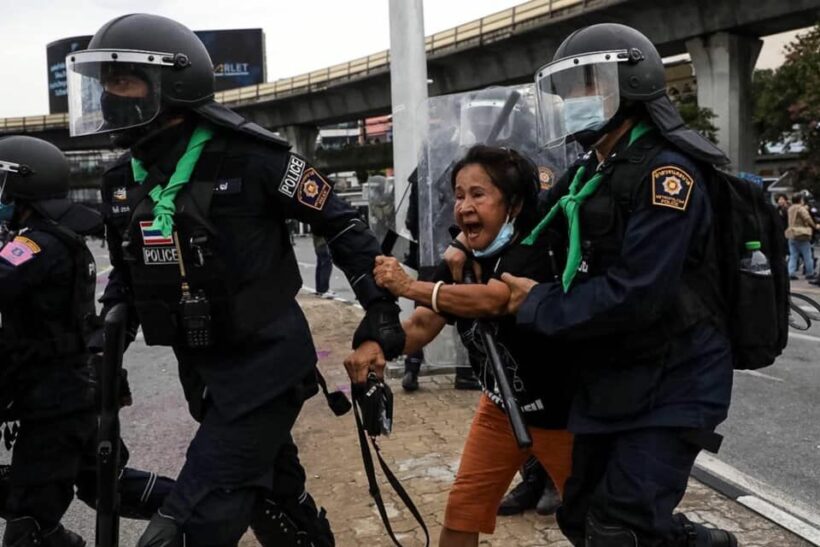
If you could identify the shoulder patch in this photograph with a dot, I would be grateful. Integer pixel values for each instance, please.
(671, 187)
(30, 243)
(293, 174)
(314, 189)
(16, 253)
(546, 177)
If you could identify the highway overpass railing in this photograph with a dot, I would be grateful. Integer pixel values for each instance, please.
(484, 30)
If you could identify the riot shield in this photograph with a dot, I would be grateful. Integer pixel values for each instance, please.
(381, 207)
(496, 116)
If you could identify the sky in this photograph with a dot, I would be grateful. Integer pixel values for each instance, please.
(301, 36)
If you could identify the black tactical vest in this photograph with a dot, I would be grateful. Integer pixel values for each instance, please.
(34, 328)
(604, 218)
(234, 249)
(46, 369)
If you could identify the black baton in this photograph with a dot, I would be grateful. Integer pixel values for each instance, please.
(108, 432)
(520, 430)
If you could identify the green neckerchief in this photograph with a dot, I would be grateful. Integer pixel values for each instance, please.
(570, 204)
(164, 196)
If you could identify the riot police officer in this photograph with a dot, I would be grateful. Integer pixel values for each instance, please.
(196, 218)
(47, 284)
(637, 294)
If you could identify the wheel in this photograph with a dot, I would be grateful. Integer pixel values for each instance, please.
(806, 302)
(798, 319)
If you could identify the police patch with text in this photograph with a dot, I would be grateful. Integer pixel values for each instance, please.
(293, 174)
(313, 189)
(671, 187)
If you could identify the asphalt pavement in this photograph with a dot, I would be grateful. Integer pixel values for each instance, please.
(772, 434)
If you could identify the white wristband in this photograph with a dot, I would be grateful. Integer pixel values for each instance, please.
(434, 299)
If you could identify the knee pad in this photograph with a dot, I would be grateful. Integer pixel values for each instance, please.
(293, 522)
(607, 535)
(161, 532)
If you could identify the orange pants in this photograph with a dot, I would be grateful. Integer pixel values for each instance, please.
(489, 462)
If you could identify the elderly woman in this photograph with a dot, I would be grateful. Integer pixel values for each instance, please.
(495, 206)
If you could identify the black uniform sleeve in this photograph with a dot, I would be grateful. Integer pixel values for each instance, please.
(634, 291)
(307, 195)
(118, 288)
(28, 261)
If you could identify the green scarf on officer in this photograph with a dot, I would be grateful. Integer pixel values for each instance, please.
(570, 205)
(164, 196)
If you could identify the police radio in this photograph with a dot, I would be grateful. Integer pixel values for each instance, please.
(194, 309)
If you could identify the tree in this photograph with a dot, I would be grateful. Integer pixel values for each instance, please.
(699, 119)
(787, 104)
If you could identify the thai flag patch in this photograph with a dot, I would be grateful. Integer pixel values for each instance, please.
(153, 236)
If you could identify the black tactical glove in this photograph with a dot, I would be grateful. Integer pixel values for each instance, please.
(382, 325)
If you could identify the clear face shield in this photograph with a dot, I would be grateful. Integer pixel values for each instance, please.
(577, 94)
(6, 201)
(112, 91)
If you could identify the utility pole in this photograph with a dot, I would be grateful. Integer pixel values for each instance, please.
(408, 93)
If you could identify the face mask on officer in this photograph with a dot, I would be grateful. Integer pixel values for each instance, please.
(584, 114)
(6, 202)
(126, 101)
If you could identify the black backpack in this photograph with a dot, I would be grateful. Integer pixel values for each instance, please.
(757, 307)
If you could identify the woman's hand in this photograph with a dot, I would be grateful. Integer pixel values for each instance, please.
(456, 258)
(367, 357)
(390, 275)
(519, 289)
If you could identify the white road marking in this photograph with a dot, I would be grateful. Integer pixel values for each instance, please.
(761, 375)
(800, 336)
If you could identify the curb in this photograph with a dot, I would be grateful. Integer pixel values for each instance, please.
(763, 499)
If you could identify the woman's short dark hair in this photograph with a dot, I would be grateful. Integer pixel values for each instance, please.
(798, 198)
(512, 173)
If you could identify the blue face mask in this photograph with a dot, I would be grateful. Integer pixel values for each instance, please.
(584, 114)
(6, 211)
(505, 235)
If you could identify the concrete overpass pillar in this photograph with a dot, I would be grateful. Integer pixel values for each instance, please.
(724, 64)
(303, 139)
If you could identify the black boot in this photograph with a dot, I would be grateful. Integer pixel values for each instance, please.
(466, 379)
(527, 493)
(550, 500)
(291, 522)
(412, 365)
(698, 535)
(26, 532)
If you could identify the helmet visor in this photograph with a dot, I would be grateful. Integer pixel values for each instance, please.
(577, 94)
(113, 90)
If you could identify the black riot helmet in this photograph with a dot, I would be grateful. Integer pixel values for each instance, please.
(32, 170)
(601, 75)
(136, 67)
(36, 173)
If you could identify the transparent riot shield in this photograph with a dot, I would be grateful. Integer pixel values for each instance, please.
(496, 116)
(381, 209)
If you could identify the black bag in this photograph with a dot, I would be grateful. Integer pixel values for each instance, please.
(756, 306)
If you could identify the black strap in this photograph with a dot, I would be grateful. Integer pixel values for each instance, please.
(373, 484)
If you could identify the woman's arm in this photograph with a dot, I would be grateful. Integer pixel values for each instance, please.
(421, 328)
(468, 301)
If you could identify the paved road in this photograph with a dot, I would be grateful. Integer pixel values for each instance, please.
(773, 432)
